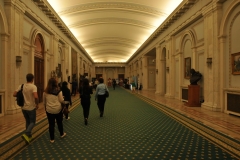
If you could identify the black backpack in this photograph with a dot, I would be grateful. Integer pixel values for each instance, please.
(20, 97)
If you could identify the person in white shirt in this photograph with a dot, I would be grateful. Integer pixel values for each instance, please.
(53, 100)
(100, 95)
(30, 105)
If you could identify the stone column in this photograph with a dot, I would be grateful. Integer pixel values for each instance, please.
(159, 69)
(65, 68)
(5, 94)
(47, 71)
(14, 14)
(81, 71)
(222, 81)
(145, 72)
(212, 17)
(171, 70)
(55, 52)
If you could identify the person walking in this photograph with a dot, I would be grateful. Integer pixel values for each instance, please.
(67, 97)
(52, 101)
(114, 84)
(74, 87)
(100, 96)
(133, 86)
(85, 91)
(30, 106)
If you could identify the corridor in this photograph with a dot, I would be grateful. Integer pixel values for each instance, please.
(133, 127)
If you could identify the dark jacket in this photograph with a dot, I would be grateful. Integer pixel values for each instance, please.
(85, 93)
(67, 95)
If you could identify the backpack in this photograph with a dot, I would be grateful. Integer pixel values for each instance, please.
(20, 97)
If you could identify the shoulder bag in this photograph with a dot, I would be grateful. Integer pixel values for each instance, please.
(106, 92)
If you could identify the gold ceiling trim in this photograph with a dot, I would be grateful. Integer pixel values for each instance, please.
(108, 51)
(123, 40)
(112, 21)
(110, 43)
(112, 5)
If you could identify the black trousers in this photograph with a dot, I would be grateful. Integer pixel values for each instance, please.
(66, 115)
(86, 107)
(51, 121)
(101, 102)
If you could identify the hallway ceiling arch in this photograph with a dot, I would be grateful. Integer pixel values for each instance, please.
(112, 31)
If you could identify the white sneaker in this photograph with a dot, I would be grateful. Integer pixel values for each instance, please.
(68, 118)
(64, 134)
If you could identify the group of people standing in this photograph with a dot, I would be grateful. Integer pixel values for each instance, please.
(54, 99)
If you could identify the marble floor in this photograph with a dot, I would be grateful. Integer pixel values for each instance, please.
(11, 125)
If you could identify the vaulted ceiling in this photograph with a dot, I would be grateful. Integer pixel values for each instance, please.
(112, 31)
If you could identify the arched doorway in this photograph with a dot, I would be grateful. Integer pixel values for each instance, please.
(39, 65)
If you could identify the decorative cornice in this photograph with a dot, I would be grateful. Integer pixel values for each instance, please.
(110, 41)
(175, 15)
(90, 7)
(54, 17)
(109, 63)
(112, 21)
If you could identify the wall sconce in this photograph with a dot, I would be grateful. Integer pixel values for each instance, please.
(209, 61)
(142, 74)
(66, 71)
(18, 59)
(167, 68)
(156, 71)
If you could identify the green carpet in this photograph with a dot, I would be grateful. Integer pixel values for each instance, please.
(129, 129)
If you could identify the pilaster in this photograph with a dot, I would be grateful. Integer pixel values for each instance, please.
(159, 69)
(14, 12)
(55, 51)
(145, 72)
(212, 16)
(222, 44)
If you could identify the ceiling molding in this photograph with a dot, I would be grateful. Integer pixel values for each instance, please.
(111, 20)
(107, 43)
(174, 16)
(90, 7)
(109, 39)
(143, 17)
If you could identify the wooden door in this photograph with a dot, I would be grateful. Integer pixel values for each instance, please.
(121, 76)
(39, 76)
(98, 76)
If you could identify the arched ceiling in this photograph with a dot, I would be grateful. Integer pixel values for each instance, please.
(112, 31)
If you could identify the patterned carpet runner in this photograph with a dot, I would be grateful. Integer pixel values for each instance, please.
(131, 128)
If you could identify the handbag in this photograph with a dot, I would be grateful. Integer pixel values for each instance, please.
(106, 92)
(65, 110)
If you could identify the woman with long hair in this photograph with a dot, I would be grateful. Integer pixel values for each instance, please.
(52, 101)
(85, 94)
(100, 95)
(67, 97)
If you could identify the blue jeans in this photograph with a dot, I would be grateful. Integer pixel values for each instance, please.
(30, 117)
